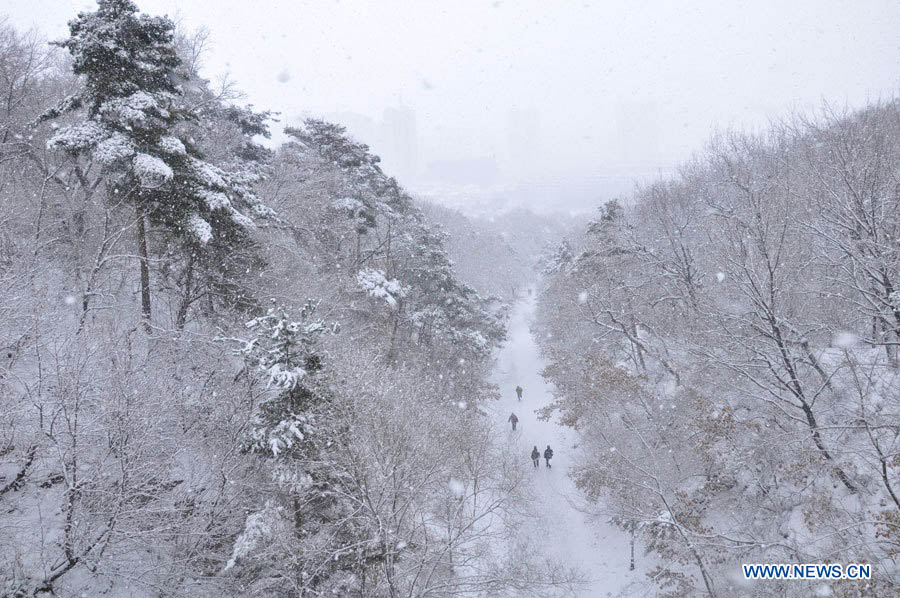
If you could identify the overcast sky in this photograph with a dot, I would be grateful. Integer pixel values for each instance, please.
(618, 85)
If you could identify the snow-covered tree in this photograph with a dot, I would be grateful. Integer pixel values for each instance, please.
(132, 107)
(285, 353)
(556, 259)
(297, 537)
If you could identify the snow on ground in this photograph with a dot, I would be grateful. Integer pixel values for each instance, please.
(600, 549)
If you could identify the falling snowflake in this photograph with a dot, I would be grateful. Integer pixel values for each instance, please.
(456, 487)
(845, 340)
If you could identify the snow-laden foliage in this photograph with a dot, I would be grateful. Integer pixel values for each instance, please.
(283, 347)
(139, 110)
(199, 229)
(172, 145)
(284, 353)
(78, 137)
(258, 529)
(376, 285)
(113, 150)
(348, 204)
(366, 189)
(398, 258)
(151, 171)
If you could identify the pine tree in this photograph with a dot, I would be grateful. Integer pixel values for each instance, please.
(285, 354)
(132, 111)
(297, 433)
(369, 194)
(329, 142)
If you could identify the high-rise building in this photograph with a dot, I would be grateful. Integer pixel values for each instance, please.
(523, 139)
(397, 143)
(637, 126)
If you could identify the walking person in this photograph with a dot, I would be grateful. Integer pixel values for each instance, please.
(513, 420)
(535, 456)
(548, 454)
(519, 392)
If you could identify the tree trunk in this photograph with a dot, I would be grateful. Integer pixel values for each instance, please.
(793, 385)
(145, 269)
(633, 525)
(186, 298)
(392, 349)
(387, 254)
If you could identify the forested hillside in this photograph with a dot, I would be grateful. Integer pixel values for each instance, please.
(725, 345)
(227, 370)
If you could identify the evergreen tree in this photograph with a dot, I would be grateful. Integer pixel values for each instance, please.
(367, 192)
(133, 114)
(330, 143)
(297, 434)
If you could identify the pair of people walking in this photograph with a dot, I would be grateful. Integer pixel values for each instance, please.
(536, 456)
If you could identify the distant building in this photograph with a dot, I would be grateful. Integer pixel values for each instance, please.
(638, 131)
(523, 142)
(397, 143)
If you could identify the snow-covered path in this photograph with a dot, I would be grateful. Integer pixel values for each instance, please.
(601, 550)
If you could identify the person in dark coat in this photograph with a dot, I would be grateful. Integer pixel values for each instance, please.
(536, 456)
(513, 420)
(548, 454)
(519, 392)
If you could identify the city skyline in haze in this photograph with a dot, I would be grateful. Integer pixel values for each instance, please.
(613, 87)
